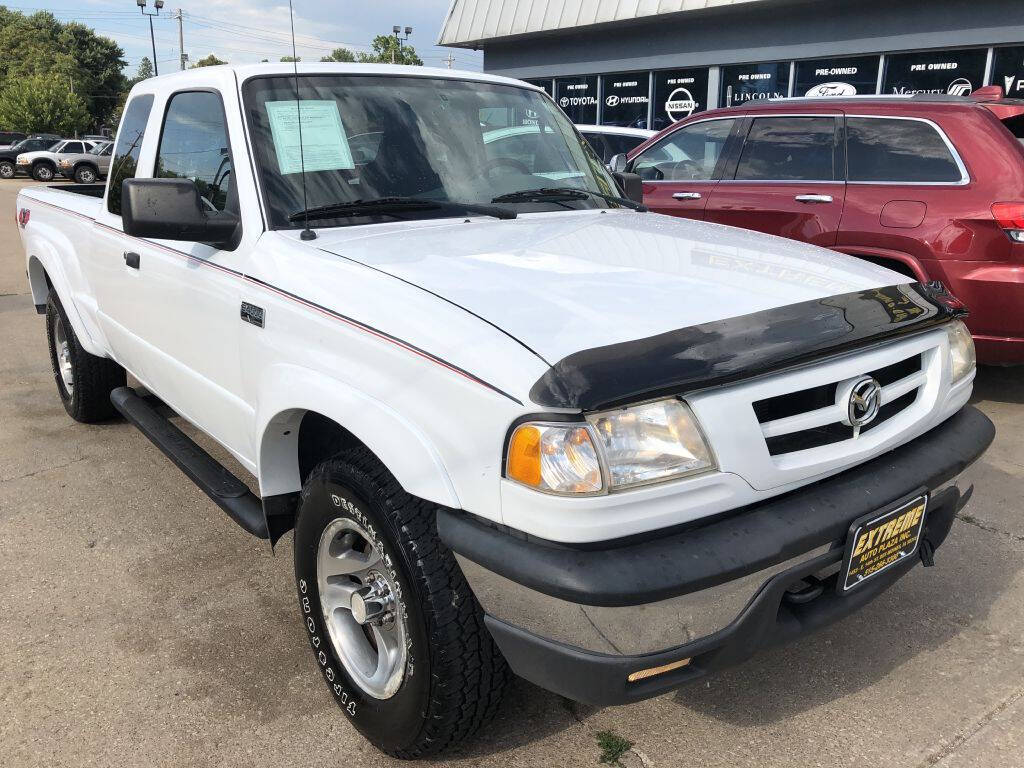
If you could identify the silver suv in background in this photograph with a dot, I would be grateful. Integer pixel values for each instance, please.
(87, 167)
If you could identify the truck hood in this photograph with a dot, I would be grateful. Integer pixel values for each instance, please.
(565, 282)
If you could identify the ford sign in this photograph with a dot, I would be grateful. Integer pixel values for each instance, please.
(831, 89)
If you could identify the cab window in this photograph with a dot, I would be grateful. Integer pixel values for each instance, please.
(790, 149)
(194, 145)
(124, 163)
(687, 154)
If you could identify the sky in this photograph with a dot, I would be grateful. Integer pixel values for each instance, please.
(246, 31)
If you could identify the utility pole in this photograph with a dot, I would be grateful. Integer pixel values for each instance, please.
(158, 4)
(182, 56)
(450, 60)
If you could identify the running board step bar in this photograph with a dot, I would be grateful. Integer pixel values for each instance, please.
(212, 477)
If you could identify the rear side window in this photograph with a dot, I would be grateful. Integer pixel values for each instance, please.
(194, 145)
(789, 149)
(73, 148)
(124, 164)
(880, 149)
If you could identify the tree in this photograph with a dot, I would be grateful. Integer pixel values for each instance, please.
(42, 104)
(339, 54)
(384, 46)
(145, 70)
(290, 59)
(208, 61)
(69, 54)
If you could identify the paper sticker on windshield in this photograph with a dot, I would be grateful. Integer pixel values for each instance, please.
(324, 143)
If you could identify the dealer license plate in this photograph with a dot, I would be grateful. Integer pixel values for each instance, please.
(880, 540)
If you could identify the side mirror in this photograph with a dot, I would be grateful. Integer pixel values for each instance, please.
(618, 163)
(172, 209)
(632, 186)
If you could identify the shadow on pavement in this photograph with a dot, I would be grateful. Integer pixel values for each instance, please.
(1001, 384)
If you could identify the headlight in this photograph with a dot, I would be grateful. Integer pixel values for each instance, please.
(654, 441)
(20, 160)
(962, 359)
(614, 450)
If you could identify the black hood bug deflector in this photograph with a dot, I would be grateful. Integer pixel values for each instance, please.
(741, 347)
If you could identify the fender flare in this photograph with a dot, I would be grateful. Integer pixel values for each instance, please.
(287, 392)
(42, 263)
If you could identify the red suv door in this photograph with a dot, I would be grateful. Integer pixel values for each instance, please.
(788, 179)
(681, 169)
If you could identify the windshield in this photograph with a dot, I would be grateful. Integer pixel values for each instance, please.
(367, 137)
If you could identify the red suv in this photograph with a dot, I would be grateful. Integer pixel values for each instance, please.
(931, 186)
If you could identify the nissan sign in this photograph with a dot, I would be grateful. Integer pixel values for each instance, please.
(680, 104)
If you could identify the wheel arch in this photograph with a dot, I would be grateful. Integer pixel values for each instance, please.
(306, 417)
(892, 259)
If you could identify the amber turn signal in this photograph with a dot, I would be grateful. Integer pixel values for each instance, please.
(524, 456)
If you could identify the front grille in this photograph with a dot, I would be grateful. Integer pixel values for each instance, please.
(901, 380)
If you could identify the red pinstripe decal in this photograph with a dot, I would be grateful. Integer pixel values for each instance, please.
(299, 300)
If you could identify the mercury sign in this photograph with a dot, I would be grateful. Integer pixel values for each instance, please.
(956, 73)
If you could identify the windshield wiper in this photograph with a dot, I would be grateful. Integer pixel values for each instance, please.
(557, 194)
(396, 206)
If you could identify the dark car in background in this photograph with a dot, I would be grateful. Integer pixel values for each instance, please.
(928, 185)
(8, 157)
(9, 138)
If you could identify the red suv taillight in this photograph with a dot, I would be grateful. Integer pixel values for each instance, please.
(1010, 218)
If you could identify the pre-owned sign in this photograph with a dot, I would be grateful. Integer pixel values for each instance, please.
(954, 72)
(748, 82)
(1008, 70)
(678, 93)
(836, 77)
(625, 98)
(577, 96)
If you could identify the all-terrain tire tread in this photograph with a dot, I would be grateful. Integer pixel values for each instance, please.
(468, 672)
(95, 377)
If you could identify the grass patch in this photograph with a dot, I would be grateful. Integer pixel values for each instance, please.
(612, 747)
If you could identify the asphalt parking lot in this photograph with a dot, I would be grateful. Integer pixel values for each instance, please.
(140, 626)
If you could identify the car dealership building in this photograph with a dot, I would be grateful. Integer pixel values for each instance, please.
(646, 63)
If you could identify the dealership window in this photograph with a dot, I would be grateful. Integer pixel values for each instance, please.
(954, 72)
(678, 93)
(577, 96)
(1008, 70)
(889, 149)
(789, 149)
(747, 82)
(544, 83)
(626, 96)
(687, 154)
(836, 77)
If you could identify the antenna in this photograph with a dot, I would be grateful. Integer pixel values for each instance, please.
(307, 233)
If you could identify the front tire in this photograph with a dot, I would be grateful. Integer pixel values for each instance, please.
(395, 628)
(84, 381)
(43, 172)
(7, 169)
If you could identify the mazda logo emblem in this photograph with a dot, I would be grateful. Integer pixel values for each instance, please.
(863, 400)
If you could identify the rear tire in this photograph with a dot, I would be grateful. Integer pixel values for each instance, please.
(85, 174)
(7, 169)
(43, 172)
(452, 676)
(84, 381)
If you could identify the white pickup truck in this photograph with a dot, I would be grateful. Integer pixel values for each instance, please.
(515, 420)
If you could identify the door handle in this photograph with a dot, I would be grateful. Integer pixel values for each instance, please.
(813, 198)
(131, 259)
(686, 196)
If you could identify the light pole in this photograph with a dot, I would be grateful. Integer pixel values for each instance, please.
(396, 30)
(158, 4)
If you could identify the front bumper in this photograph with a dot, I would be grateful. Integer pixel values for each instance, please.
(580, 620)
